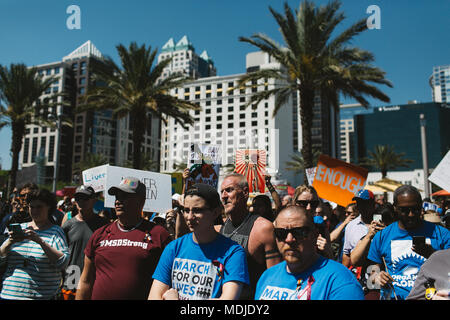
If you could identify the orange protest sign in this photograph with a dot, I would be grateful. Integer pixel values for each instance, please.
(338, 181)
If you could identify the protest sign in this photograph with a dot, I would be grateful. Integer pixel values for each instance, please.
(204, 164)
(159, 187)
(441, 174)
(338, 181)
(95, 177)
(430, 206)
(310, 173)
(251, 163)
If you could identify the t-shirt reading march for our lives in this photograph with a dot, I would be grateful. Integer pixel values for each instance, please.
(324, 280)
(198, 271)
(395, 246)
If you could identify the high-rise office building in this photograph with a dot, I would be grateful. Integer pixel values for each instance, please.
(185, 60)
(93, 132)
(440, 84)
(225, 121)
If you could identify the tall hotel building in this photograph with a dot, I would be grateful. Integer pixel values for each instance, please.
(225, 121)
(440, 84)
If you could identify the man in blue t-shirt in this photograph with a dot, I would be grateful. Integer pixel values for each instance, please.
(202, 264)
(304, 274)
(404, 246)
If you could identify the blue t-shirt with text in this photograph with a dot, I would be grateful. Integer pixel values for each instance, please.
(198, 271)
(330, 281)
(395, 246)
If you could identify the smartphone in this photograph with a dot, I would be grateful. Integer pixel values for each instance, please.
(16, 228)
(418, 241)
(377, 217)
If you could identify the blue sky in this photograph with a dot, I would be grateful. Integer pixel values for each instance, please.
(414, 35)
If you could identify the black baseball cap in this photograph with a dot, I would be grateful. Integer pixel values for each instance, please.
(85, 190)
(206, 192)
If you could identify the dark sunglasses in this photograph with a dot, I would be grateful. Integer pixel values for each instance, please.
(299, 233)
(81, 198)
(407, 210)
(304, 203)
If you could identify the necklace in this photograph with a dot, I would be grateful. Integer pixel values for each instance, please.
(238, 228)
(128, 230)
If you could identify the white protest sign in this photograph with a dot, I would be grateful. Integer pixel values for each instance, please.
(95, 177)
(310, 173)
(204, 164)
(159, 187)
(441, 174)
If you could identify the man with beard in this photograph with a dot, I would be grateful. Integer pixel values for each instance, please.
(304, 274)
(401, 248)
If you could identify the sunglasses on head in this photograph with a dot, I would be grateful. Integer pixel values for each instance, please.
(407, 210)
(304, 203)
(299, 233)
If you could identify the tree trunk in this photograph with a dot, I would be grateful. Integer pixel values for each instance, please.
(139, 121)
(18, 131)
(306, 105)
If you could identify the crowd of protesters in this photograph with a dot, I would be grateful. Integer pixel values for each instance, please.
(223, 244)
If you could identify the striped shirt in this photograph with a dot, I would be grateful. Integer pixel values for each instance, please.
(30, 274)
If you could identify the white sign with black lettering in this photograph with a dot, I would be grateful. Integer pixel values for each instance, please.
(194, 280)
(158, 193)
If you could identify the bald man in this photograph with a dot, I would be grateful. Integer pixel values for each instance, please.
(253, 232)
(304, 274)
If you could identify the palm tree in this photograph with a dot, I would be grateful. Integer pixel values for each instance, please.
(297, 164)
(138, 90)
(20, 90)
(313, 63)
(90, 161)
(147, 163)
(385, 158)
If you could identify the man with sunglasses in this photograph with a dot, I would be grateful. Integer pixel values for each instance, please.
(304, 274)
(78, 231)
(405, 245)
(120, 257)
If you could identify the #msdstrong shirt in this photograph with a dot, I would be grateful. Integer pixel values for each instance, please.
(324, 280)
(198, 271)
(395, 246)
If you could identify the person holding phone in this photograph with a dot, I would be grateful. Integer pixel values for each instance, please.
(397, 252)
(36, 252)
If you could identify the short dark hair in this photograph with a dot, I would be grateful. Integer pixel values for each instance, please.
(406, 189)
(29, 185)
(45, 196)
(206, 192)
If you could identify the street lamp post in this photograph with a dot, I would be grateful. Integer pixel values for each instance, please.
(57, 146)
(423, 138)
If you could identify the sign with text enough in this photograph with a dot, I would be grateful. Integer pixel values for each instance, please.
(159, 187)
(95, 177)
(338, 181)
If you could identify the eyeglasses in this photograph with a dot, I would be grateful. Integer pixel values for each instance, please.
(407, 210)
(304, 203)
(299, 233)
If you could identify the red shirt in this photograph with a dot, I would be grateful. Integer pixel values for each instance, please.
(125, 260)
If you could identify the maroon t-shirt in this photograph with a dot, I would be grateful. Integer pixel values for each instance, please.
(125, 261)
